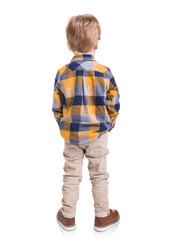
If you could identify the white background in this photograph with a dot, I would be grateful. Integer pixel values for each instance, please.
(136, 44)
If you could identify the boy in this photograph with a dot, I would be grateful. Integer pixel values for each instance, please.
(85, 106)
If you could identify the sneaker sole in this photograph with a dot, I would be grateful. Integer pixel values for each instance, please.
(66, 228)
(102, 229)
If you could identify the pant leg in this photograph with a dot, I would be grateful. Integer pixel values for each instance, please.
(96, 153)
(72, 177)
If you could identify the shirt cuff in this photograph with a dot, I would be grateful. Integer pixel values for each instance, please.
(112, 125)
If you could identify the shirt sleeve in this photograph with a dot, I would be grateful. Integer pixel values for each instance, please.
(113, 104)
(58, 99)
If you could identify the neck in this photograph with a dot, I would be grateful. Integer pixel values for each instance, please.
(93, 52)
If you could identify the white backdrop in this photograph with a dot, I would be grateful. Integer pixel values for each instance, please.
(136, 44)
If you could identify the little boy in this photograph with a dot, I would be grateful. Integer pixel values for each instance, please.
(85, 106)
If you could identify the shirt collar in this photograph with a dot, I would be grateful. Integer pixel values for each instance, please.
(83, 57)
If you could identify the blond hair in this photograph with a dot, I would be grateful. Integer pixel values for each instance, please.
(83, 32)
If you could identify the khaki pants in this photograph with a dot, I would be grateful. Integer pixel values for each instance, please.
(96, 153)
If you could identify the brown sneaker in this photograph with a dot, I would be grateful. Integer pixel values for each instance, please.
(67, 224)
(104, 223)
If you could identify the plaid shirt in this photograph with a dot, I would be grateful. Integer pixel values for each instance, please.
(85, 100)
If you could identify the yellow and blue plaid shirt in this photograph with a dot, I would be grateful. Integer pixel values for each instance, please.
(85, 100)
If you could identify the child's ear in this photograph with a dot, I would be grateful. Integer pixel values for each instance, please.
(96, 47)
(69, 46)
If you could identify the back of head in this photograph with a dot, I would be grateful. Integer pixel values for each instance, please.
(83, 32)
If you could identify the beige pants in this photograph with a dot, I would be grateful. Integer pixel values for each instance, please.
(96, 153)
